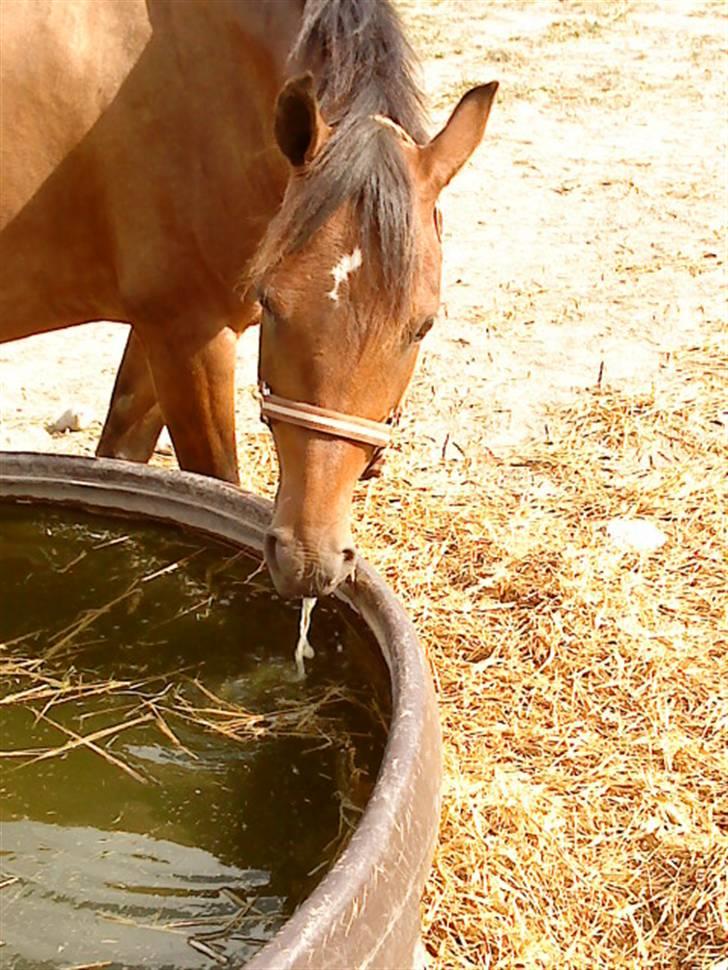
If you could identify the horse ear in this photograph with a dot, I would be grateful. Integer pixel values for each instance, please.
(448, 151)
(299, 128)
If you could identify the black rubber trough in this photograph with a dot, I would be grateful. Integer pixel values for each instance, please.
(365, 913)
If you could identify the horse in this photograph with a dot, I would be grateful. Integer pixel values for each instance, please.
(194, 168)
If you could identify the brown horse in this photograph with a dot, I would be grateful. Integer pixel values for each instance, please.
(192, 166)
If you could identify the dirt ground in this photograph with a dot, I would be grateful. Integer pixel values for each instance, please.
(586, 231)
(584, 250)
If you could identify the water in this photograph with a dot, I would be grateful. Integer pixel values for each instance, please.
(303, 647)
(170, 790)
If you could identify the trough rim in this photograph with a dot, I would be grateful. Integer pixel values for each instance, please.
(402, 813)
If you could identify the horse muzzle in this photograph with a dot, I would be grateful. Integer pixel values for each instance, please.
(303, 569)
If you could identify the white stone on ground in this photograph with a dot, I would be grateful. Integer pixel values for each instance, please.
(636, 535)
(72, 419)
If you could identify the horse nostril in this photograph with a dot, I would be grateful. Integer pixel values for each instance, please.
(349, 555)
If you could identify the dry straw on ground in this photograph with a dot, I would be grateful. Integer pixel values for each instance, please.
(584, 689)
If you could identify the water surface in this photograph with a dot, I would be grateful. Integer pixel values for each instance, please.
(169, 789)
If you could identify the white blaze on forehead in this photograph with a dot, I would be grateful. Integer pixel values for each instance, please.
(343, 269)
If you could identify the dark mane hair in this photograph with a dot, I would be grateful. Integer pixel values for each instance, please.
(363, 62)
(363, 67)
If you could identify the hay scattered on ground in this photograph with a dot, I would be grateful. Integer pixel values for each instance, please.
(583, 688)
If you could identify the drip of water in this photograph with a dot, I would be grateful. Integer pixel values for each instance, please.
(303, 647)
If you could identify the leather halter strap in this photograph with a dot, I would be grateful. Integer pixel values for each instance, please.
(377, 434)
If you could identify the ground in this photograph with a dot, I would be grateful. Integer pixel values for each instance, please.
(576, 377)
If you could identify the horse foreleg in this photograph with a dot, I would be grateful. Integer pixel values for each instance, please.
(134, 419)
(195, 384)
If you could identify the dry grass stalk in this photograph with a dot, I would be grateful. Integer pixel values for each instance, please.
(89, 742)
(65, 638)
(141, 706)
(91, 966)
(305, 719)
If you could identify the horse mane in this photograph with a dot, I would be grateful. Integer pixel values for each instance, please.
(367, 64)
(363, 67)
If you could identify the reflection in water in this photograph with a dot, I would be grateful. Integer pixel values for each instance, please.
(121, 897)
(169, 790)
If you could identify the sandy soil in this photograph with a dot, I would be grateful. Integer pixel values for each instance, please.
(585, 233)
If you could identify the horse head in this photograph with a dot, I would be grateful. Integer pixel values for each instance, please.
(348, 279)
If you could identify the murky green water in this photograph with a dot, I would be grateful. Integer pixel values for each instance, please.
(169, 790)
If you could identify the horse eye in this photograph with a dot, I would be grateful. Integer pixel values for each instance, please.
(266, 299)
(262, 298)
(424, 329)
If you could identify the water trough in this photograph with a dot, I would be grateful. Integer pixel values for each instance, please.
(365, 911)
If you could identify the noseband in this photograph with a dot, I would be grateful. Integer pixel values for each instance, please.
(376, 434)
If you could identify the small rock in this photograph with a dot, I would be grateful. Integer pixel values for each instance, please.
(636, 535)
(72, 419)
(164, 445)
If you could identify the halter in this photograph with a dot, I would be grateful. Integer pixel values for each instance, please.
(376, 434)
(337, 424)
